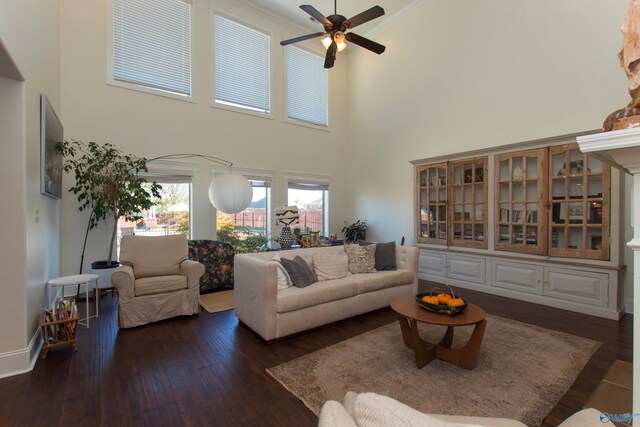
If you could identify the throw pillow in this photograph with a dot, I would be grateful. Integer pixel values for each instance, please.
(283, 279)
(385, 255)
(299, 271)
(361, 258)
(328, 266)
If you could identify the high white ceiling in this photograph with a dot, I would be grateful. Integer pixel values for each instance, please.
(290, 10)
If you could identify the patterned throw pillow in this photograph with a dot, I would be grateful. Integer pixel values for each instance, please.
(328, 266)
(362, 259)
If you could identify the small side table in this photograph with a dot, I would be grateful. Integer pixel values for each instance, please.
(88, 280)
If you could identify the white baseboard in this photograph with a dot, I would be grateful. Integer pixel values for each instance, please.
(21, 361)
(628, 305)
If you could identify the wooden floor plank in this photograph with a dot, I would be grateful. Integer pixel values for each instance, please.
(210, 369)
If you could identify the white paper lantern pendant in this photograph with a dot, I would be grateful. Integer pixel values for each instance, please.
(230, 193)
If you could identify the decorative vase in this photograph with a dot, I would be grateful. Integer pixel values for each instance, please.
(286, 238)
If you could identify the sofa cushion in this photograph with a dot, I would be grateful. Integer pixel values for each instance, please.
(382, 280)
(159, 285)
(282, 277)
(329, 266)
(299, 271)
(385, 255)
(321, 292)
(153, 255)
(361, 258)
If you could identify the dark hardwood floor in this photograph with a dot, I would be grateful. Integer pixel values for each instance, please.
(209, 370)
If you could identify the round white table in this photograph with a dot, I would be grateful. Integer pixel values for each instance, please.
(87, 280)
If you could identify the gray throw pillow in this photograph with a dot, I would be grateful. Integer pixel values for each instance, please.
(385, 255)
(299, 271)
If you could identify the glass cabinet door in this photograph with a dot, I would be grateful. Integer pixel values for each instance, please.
(432, 204)
(579, 214)
(520, 202)
(468, 202)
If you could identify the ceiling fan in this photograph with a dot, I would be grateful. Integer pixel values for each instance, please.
(336, 27)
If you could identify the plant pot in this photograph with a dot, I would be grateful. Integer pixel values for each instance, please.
(104, 270)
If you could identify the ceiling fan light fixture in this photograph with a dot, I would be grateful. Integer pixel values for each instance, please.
(341, 46)
(326, 42)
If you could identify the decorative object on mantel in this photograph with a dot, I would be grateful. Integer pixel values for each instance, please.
(629, 117)
(286, 216)
(335, 27)
(228, 192)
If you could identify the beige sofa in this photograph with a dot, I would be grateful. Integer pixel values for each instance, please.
(274, 313)
(375, 410)
(156, 280)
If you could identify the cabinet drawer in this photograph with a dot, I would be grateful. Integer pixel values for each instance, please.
(432, 264)
(575, 285)
(517, 276)
(469, 269)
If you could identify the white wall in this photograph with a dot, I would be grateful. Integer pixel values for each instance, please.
(29, 30)
(150, 125)
(459, 76)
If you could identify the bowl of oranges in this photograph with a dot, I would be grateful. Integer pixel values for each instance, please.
(449, 302)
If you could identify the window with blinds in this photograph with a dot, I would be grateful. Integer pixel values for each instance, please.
(152, 44)
(307, 87)
(241, 66)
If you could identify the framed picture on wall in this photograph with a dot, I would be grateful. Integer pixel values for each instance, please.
(51, 133)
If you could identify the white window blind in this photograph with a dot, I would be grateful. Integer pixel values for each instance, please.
(242, 74)
(152, 44)
(307, 87)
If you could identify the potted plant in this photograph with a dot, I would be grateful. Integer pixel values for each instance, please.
(354, 232)
(107, 183)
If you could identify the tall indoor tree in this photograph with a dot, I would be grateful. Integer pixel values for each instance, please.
(108, 183)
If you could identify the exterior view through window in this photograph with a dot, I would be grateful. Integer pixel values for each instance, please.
(171, 214)
(248, 231)
(311, 200)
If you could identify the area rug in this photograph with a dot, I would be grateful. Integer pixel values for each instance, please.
(521, 373)
(217, 301)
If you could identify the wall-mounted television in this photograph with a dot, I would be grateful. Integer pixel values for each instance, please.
(51, 133)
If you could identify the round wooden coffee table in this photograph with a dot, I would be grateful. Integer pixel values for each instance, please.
(409, 313)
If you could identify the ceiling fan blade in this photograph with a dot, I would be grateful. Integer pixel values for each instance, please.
(331, 55)
(365, 43)
(301, 38)
(316, 15)
(366, 16)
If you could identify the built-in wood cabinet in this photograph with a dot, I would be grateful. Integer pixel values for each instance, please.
(432, 203)
(536, 221)
(467, 209)
(580, 204)
(521, 195)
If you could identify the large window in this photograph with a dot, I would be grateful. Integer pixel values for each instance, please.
(152, 44)
(249, 230)
(170, 215)
(241, 64)
(307, 87)
(312, 201)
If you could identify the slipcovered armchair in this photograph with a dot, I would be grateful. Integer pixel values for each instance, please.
(155, 281)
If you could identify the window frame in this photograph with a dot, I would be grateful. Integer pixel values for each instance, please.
(112, 81)
(212, 63)
(298, 122)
